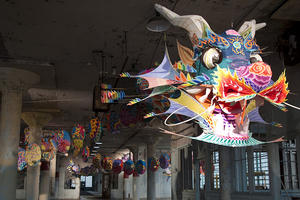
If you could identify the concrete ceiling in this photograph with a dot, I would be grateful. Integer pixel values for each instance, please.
(55, 38)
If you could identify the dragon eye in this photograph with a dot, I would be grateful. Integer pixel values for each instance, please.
(255, 58)
(211, 56)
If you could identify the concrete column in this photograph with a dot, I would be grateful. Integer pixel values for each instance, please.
(240, 169)
(44, 181)
(225, 172)
(274, 169)
(298, 154)
(126, 188)
(208, 168)
(61, 182)
(52, 175)
(175, 166)
(151, 189)
(35, 120)
(250, 169)
(12, 83)
(197, 175)
(136, 177)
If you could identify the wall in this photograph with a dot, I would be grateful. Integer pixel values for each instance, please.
(118, 193)
(163, 186)
(61, 193)
(163, 183)
(20, 193)
(67, 193)
(71, 193)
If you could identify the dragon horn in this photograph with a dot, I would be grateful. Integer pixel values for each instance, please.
(194, 24)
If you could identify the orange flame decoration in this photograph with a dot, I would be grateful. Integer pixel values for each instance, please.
(231, 88)
(277, 92)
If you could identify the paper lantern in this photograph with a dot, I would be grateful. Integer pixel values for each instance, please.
(85, 171)
(130, 116)
(21, 159)
(95, 128)
(153, 164)
(140, 167)
(128, 167)
(78, 135)
(78, 132)
(85, 153)
(164, 161)
(63, 141)
(117, 166)
(72, 167)
(112, 122)
(48, 147)
(97, 160)
(107, 163)
(33, 154)
(26, 135)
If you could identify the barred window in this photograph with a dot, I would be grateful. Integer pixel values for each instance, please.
(261, 170)
(288, 165)
(202, 174)
(216, 170)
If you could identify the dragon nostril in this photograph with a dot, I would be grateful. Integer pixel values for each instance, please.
(253, 60)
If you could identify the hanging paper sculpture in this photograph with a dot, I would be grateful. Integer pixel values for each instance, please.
(75, 169)
(129, 116)
(167, 172)
(164, 161)
(153, 164)
(26, 135)
(33, 154)
(117, 166)
(97, 160)
(85, 153)
(106, 86)
(63, 141)
(95, 129)
(140, 167)
(93, 170)
(128, 167)
(112, 122)
(107, 163)
(72, 167)
(220, 84)
(125, 157)
(110, 96)
(78, 135)
(86, 171)
(48, 147)
(21, 159)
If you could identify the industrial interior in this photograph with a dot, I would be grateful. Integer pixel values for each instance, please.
(156, 100)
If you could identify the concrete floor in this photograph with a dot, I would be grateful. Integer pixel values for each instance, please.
(88, 197)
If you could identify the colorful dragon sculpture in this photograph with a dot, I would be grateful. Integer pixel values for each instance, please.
(220, 84)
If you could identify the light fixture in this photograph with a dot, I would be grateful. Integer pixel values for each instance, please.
(94, 150)
(158, 24)
(92, 154)
(96, 147)
(98, 143)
